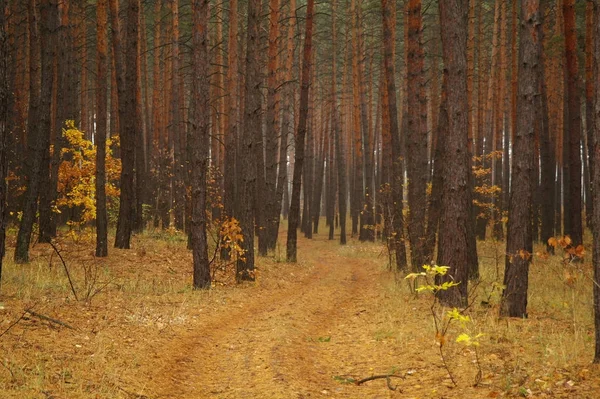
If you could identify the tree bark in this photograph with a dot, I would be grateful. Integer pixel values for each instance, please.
(416, 154)
(252, 127)
(272, 132)
(590, 64)
(4, 101)
(42, 45)
(301, 135)
(573, 194)
(101, 128)
(519, 246)
(126, 87)
(456, 205)
(199, 143)
(396, 177)
(596, 196)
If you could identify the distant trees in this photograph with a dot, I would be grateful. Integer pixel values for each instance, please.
(347, 140)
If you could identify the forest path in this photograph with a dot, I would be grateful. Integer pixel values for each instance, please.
(289, 342)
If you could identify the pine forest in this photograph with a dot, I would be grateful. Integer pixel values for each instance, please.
(299, 198)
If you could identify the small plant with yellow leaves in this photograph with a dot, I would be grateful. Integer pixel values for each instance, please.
(429, 279)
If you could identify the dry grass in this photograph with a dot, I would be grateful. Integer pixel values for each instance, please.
(145, 305)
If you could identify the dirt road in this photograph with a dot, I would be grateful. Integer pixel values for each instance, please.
(288, 342)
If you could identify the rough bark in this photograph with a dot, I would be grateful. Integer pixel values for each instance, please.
(596, 197)
(519, 246)
(547, 158)
(301, 135)
(337, 136)
(416, 154)
(42, 29)
(4, 101)
(199, 143)
(252, 125)
(101, 128)
(396, 177)
(272, 132)
(590, 64)
(282, 191)
(126, 78)
(573, 194)
(456, 205)
(231, 113)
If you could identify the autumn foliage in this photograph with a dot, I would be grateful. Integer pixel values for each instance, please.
(76, 177)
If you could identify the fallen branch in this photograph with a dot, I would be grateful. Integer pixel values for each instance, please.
(50, 319)
(388, 380)
(13, 324)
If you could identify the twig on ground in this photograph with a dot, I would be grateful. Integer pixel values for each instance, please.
(388, 378)
(50, 319)
(13, 324)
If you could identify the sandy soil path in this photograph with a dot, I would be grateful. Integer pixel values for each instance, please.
(283, 343)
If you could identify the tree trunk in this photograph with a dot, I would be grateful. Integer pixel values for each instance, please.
(252, 125)
(396, 177)
(547, 159)
(519, 246)
(456, 205)
(39, 124)
(596, 197)
(286, 127)
(101, 128)
(416, 154)
(126, 80)
(176, 132)
(300, 137)
(231, 114)
(337, 136)
(200, 142)
(4, 101)
(590, 65)
(272, 132)
(573, 194)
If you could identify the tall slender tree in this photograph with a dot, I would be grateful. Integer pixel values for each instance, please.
(573, 195)
(519, 245)
(397, 170)
(128, 119)
(199, 143)
(416, 149)
(596, 192)
(294, 215)
(456, 204)
(101, 127)
(248, 152)
(4, 101)
(42, 35)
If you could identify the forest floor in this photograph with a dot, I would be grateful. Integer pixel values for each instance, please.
(308, 330)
